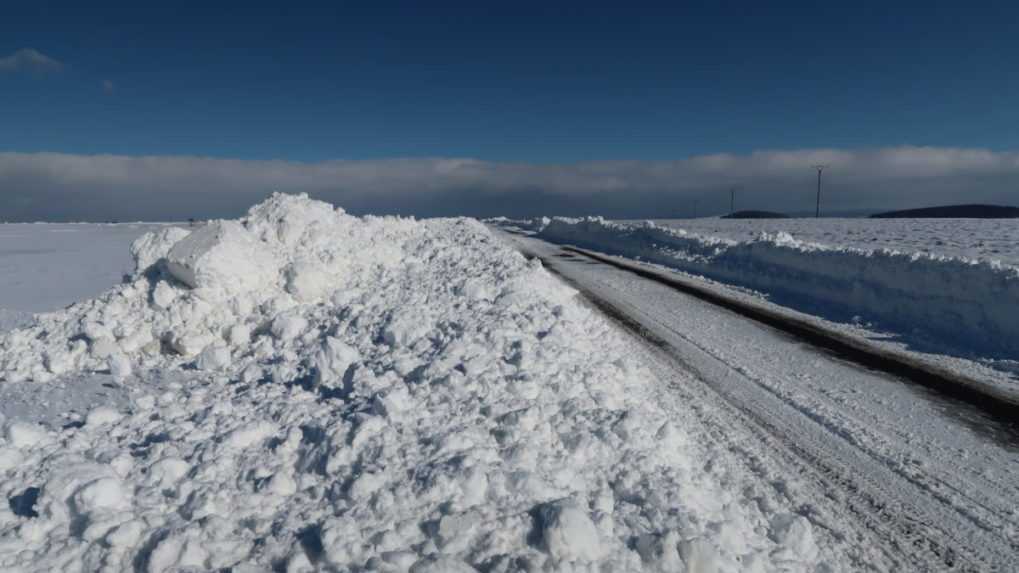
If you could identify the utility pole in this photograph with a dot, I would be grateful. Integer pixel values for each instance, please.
(732, 198)
(820, 168)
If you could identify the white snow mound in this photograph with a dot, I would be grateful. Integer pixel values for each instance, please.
(316, 391)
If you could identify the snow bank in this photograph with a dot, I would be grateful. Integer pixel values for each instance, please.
(315, 391)
(950, 303)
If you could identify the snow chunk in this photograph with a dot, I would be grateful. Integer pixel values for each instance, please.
(163, 295)
(308, 281)
(249, 435)
(223, 255)
(795, 537)
(213, 358)
(239, 335)
(125, 534)
(167, 472)
(568, 532)
(24, 435)
(103, 494)
(9, 458)
(333, 360)
(289, 326)
(148, 249)
(102, 415)
(441, 564)
(282, 484)
(120, 366)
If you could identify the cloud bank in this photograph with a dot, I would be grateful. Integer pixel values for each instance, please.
(29, 59)
(54, 186)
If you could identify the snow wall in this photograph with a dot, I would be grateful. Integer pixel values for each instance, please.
(944, 304)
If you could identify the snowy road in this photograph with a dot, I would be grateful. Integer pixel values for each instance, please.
(901, 477)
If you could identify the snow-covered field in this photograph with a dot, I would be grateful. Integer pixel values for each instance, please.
(46, 266)
(302, 389)
(977, 239)
(933, 302)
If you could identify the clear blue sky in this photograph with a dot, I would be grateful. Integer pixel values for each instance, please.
(539, 82)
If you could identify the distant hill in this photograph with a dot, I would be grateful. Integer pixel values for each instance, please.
(755, 215)
(953, 212)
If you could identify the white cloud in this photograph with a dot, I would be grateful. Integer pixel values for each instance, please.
(29, 59)
(161, 187)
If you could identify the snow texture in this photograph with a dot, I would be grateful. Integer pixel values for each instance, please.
(952, 305)
(977, 239)
(41, 263)
(307, 390)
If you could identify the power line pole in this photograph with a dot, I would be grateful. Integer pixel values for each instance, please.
(732, 198)
(820, 168)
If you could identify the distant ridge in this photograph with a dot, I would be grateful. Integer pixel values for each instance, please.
(755, 215)
(953, 211)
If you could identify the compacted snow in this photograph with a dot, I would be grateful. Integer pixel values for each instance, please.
(301, 389)
(934, 302)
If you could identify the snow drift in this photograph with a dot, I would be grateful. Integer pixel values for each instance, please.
(311, 390)
(940, 302)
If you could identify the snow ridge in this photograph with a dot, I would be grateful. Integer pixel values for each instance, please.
(966, 305)
(311, 390)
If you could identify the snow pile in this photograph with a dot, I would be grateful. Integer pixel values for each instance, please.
(948, 303)
(311, 390)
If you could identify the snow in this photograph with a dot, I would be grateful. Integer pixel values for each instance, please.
(22, 435)
(221, 255)
(568, 532)
(938, 303)
(879, 441)
(974, 239)
(301, 389)
(41, 263)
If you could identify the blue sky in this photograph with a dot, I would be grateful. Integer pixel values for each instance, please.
(522, 82)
